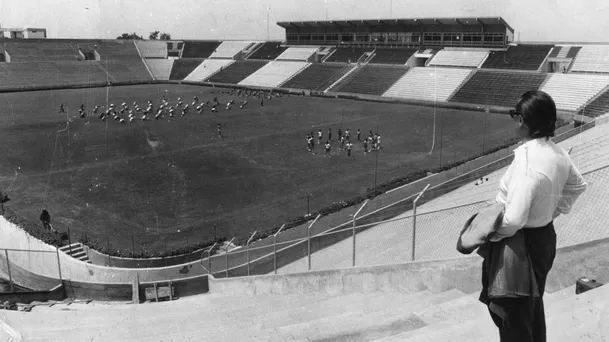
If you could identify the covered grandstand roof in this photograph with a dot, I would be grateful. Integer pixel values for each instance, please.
(471, 21)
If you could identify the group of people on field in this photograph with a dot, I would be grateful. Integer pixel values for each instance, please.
(370, 143)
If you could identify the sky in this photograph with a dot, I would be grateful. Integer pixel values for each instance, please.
(532, 20)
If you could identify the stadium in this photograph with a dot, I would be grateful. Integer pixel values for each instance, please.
(308, 188)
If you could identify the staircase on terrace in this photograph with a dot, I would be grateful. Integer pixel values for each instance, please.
(379, 312)
(317, 76)
(497, 88)
(430, 84)
(76, 251)
(237, 71)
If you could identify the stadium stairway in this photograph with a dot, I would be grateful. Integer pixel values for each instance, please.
(76, 251)
(434, 301)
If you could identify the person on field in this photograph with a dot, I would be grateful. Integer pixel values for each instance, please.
(349, 146)
(328, 148)
(359, 133)
(329, 134)
(45, 217)
(541, 183)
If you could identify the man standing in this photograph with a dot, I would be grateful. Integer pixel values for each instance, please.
(320, 136)
(328, 148)
(45, 217)
(359, 133)
(349, 145)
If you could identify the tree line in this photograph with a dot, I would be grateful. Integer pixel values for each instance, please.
(155, 35)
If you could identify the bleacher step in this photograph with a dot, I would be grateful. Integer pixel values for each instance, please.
(387, 316)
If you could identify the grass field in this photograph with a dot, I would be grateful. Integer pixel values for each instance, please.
(105, 179)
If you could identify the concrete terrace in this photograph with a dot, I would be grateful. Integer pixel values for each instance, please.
(438, 228)
(425, 301)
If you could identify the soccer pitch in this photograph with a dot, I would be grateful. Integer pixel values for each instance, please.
(109, 180)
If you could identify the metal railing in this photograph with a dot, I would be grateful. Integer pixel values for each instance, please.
(415, 236)
(12, 259)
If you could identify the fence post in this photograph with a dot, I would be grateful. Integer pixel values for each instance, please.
(309, 240)
(414, 220)
(226, 255)
(132, 247)
(58, 264)
(69, 240)
(109, 259)
(354, 217)
(208, 251)
(247, 251)
(275, 248)
(8, 264)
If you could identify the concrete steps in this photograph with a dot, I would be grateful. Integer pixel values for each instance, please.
(569, 317)
(76, 251)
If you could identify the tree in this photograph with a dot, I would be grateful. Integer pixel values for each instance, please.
(165, 36)
(129, 36)
(154, 35)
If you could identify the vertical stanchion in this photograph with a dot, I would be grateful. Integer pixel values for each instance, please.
(69, 240)
(58, 263)
(8, 264)
(247, 251)
(414, 220)
(226, 255)
(309, 240)
(108, 243)
(275, 248)
(354, 217)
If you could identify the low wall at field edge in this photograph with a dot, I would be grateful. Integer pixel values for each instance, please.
(46, 264)
(588, 259)
(98, 258)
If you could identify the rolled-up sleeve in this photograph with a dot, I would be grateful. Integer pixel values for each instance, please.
(574, 187)
(521, 193)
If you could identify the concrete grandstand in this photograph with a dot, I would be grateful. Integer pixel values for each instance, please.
(385, 278)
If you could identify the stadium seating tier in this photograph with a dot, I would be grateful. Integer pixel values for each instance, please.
(237, 71)
(370, 79)
(160, 68)
(183, 67)
(459, 58)
(572, 91)
(268, 50)
(348, 55)
(597, 107)
(392, 56)
(228, 49)
(297, 54)
(207, 68)
(431, 84)
(152, 48)
(497, 88)
(592, 58)
(274, 73)
(520, 57)
(199, 49)
(317, 77)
